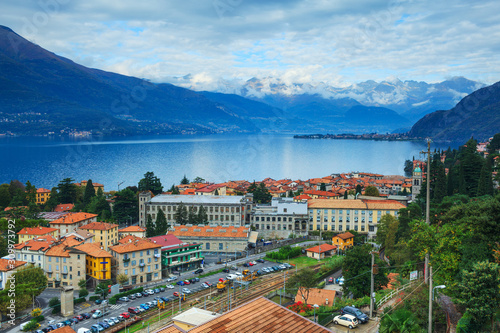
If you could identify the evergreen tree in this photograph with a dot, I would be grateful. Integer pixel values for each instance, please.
(192, 217)
(161, 223)
(150, 227)
(15, 186)
(184, 180)
(174, 190)
(198, 180)
(494, 144)
(53, 201)
(67, 191)
(439, 188)
(89, 193)
(181, 214)
(372, 191)
(345, 195)
(358, 189)
(485, 183)
(451, 185)
(30, 193)
(290, 194)
(202, 217)
(472, 164)
(126, 206)
(5, 196)
(408, 168)
(260, 193)
(150, 183)
(216, 192)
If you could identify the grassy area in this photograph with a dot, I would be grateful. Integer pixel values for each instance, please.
(303, 261)
(211, 273)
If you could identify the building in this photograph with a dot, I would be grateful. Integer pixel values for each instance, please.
(281, 218)
(7, 268)
(193, 317)
(42, 195)
(177, 255)
(214, 238)
(137, 258)
(133, 230)
(222, 210)
(321, 251)
(214, 189)
(97, 263)
(417, 181)
(29, 233)
(96, 186)
(65, 265)
(343, 241)
(33, 251)
(72, 221)
(321, 297)
(64, 207)
(258, 315)
(350, 214)
(105, 234)
(51, 216)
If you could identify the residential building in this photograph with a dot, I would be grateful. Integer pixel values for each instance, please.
(177, 255)
(133, 230)
(321, 251)
(96, 186)
(350, 214)
(65, 265)
(222, 210)
(64, 207)
(343, 241)
(42, 195)
(33, 251)
(214, 189)
(193, 317)
(138, 258)
(282, 218)
(214, 238)
(51, 216)
(72, 221)
(29, 233)
(321, 297)
(7, 268)
(105, 234)
(258, 315)
(97, 263)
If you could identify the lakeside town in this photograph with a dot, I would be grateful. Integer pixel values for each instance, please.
(108, 245)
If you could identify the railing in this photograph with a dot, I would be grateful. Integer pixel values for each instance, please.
(394, 292)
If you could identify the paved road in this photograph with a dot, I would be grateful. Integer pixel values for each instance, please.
(119, 308)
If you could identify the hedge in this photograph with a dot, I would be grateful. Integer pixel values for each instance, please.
(79, 300)
(39, 318)
(93, 298)
(114, 298)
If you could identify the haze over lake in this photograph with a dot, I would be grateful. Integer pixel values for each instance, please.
(217, 158)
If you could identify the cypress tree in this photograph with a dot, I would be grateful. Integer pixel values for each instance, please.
(485, 183)
(161, 223)
(89, 193)
(181, 214)
(202, 217)
(150, 227)
(192, 217)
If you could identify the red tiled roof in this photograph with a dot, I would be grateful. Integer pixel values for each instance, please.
(64, 207)
(7, 265)
(345, 235)
(73, 218)
(59, 250)
(93, 250)
(208, 231)
(36, 231)
(42, 190)
(302, 197)
(135, 245)
(133, 228)
(128, 238)
(99, 226)
(37, 243)
(323, 248)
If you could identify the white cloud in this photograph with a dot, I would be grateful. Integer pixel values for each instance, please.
(331, 42)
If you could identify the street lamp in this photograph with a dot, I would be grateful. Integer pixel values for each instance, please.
(437, 287)
(442, 286)
(315, 306)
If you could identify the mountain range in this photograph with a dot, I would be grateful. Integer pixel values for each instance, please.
(41, 92)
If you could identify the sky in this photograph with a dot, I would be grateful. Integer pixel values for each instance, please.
(202, 44)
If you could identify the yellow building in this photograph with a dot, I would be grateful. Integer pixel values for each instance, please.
(343, 241)
(105, 234)
(133, 230)
(362, 216)
(96, 186)
(29, 233)
(42, 195)
(97, 263)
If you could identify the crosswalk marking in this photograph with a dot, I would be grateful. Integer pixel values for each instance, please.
(117, 306)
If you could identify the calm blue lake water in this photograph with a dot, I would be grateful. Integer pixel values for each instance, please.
(217, 158)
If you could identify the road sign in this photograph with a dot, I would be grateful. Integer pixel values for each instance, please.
(413, 275)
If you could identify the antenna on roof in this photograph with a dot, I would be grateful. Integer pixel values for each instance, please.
(119, 185)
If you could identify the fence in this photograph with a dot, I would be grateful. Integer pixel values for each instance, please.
(394, 292)
(326, 318)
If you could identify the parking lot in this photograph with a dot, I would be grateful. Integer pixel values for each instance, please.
(120, 307)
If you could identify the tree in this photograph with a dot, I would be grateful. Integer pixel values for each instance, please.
(405, 216)
(126, 206)
(102, 289)
(67, 191)
(471, 163)
(260, 193)
(408, 168)
(202, 217)
(181, 214)
(55, 304)
(184, 180)
(479, 291)
(15, 187)
(345, 194)
(31, 326)
(150, 183)
(358, 189)
(36, 312)
(30, 191)
(303, 281)
(485, 183)
(122, 278)
(400, 321)
(494, 144)
(150, 227)
(192, 217)
(53, 201)
(198, 180)
(356, 264)
(89, 193)
(82, 283)
(372, 191)
(161, 223)
(5, 196)
(174, 190)
(386, 231)
(83, 292)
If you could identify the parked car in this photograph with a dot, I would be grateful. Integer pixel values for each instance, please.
(346, 320)
(124, 299)
(115, 319)
(156, 290)
(225, 270)
(198, 271)
(162, 289)
(238, 274)
(170, 286)
(80, 317)
(98, 301)
(164, 299)
(109, 322)
(149, 291)
(340, 281)
(261, 260)
(351, 310)
(180, 283)
(133, 310)
(104, 324)
(86, 315)
(254, 262)
(204, 285)
(144, 306)
(246, 265)
(176, 294)
(138, 295)
(192, 280)
(119, 318)
(96, 328)
(46, 329)
(187, 282)
(186, 290)
(208, 283)
(145, 294)
(197, 279)
(234, 268)
(250, 263)
(126, 315)
(132, 296)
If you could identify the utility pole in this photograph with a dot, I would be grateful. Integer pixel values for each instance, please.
(430, 300)
(372, 287)
(427, 202)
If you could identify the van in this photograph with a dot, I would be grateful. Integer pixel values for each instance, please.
(97, 314)
(84, 330)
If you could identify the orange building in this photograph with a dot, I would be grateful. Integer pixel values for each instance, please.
(344, 240)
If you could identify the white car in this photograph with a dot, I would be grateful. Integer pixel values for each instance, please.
(238, 274)
(170, 286)
(149, 291)
(186, 291)
(341, 280)
(204, 285)
(254, 262)
(116, 320)
(346, 320)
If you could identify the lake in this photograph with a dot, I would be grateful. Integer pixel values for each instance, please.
(217, 158)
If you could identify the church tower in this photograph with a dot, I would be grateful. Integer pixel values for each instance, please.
(417, 183)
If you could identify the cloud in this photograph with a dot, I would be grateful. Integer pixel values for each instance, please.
(217, 41)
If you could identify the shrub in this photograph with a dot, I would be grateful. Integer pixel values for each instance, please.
(83, 293)
(79, 300)
(285, 252)
(94, 298)
(300, 307)
(39, 318)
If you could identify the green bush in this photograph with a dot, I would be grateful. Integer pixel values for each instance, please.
(83, 293)
(94, 298)
(285, 252)
(39, 318)
(79, 300)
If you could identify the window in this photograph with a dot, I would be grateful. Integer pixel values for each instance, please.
(133, 263)
(310, 227)
(57, 258)
(257, 226)
(148, 252)
(126, 272)
(274, 219)
(133, 271)
(64, 260)
(50, 259)
(325, 227)
(371, 228)
(340, 228)
(362, 228)
(256, 218)
(156, 266)
(207, 246)
(78, 273)
(142, 253)
(355, 228)
(221, 246)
